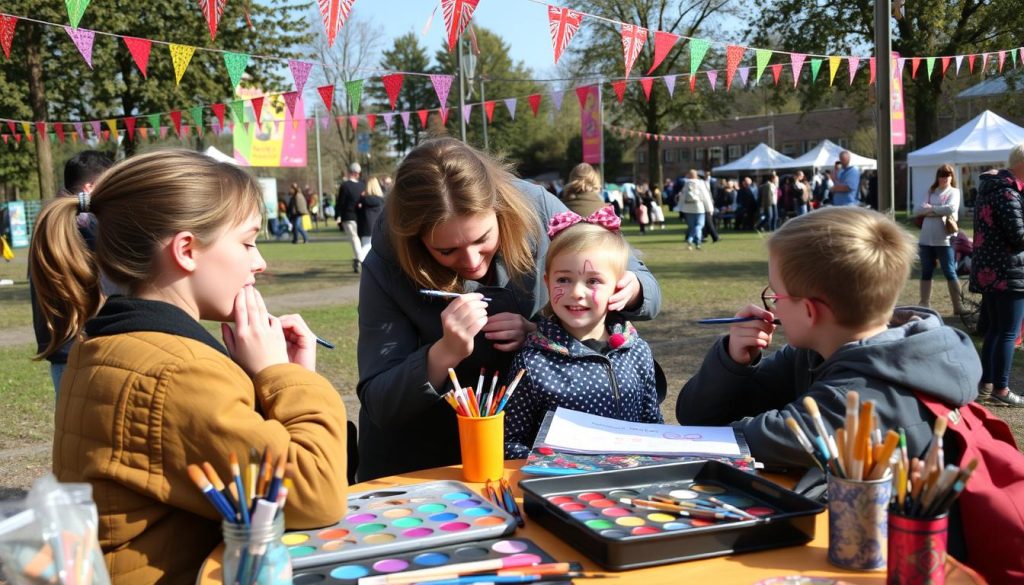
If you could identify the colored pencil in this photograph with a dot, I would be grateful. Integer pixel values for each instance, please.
(801, 438)
(681, 510)
(510, 500)
(480, 386)
(447, 295)
(892, 440)
(236, 476)
(731, 320)
(493, 578)
(460, 569)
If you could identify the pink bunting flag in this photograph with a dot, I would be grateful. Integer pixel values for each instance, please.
(534, 101)
(633, 39)
(556, 98)
(325, 122)
(354, 122)
(797, 63)
(290, 99)
(620, 89)
(334, 13)
(7, 24)
(984, 62)
(563, 24)
(871, 70)
(853, 63)
(129, 124)
(212, 11)
(510, 105)
(423, 117)
(393, 86)
(776, 69)
(713, 78)
(733, 56)
(389, 119)
(663, 43)
(405, 118)
(79, 130)
(970, 63)
(163, 132)
(744, 75)
(647, 83)
(327, 95)
(83, 39)
(670, 83)
(257, 108)
(467, 112)
(300, 73)
(96, 127)
(489, 110)
(457, 14)
(442, 85)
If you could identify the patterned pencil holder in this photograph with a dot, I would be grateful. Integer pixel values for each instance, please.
(858, 522)
(254, 556)
(917, 550)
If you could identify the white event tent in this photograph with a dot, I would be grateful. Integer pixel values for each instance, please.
(214, 153)
(762, 158)
(825, 155)
(987, 139)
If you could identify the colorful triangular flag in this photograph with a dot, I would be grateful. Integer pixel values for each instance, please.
(796, 63)
(442, 85)
(197, 115)
(763, 57)
(300, 73)
(647, 83)
(815, 67)
(467, 112)
(929, 64)
(633, 39)
(405, 118)
(423, 117)
(776, 69)
(457, 14)
(698, 48)
(510, 104)
(327, 95)
(237, 111)
(175, 117)
(290, 99)
(851, 64)
(393, 86)
(83, 39)
(744, 73)
(354, 91)
(620, 89)
(663, 43)
(733, 56)
(371, 121)
(833, 68)
(563, 24)
(389, 119)
(489, 109)
(257, 108)
(334, 13)
(556, 98)
(76, 8)
(534, 101)
(236, 64)
(670, 83)
(713, 78)
(218, 110)
(180, 56)
(945, 64)
(139, 49)
(212, 10)
(7, 25)
(959, 61)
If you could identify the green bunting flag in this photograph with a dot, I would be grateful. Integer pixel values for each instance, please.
(236, 63)
(237, 111)
(698, 48)
(154, 121)
(815, 67)
(197, 115)
(929, 63)
(76, 8)
(763, 56)
(354, 91)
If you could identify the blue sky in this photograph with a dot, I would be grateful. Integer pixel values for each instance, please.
(523, 25)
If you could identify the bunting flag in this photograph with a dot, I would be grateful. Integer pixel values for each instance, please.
(563, 24)
(111, 124)
(163, 132)
(237, 111)
(300, 73)
(959, 61)
(466, 113)
(713, 78)
(236, 64)
(334, 13)
(152, 119)
(218, 110)
(620, 89)
(852, 63)
(442, 85)
(354, 122)
(633, 38)
(698, 48)
(815, 68)
(915, 62)
(1013, 56)
(1002, 60)
(833, 68)
(290, 99)
(175, 117)
(776, 72)
(41, 127)
(581, 95)
(423, 117)
(143, 132)
(197, 115)
(257, 108)
(797, 63)
(80, 129)
(744, 73)
(929, 64)
(327, 95)
(456, 17)
(733, 56)
(393, 86)
(647, 83)
(663, 43)
(389, 119)
(371, 121)
(76, 8)
(354, 91)
(139, 48)
(510, 104)
(945, 64)
(556, 98)
(180, 56)
(970, 63)
(489, 110)
(129, 123)
(83, 39)
(534, 101)
(212, 10)
(984, 63)
(444, 115)
(7, 24)
(28, 130)
(763, 57)
(670, 83)
(405, 119)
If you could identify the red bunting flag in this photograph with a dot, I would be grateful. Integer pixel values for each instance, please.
(945, 64)
(776, 71)
(139, 49)
(620, 89)
(218, 110)
(393, 85)
(129, 124)
(1002, 60)
(41, 128)
(371, 121)
(581, 95)
(7, 24)
(327, 94)
(970, 62)
(291, 98)
(733, 56)
(58, 128)
(176, 118)
(871, 70)
(534, 102)
(489, 110)
(633, 39)
(647, 83)
(257, 108)
(354, 122)
(212, 10)
(444, 115)
(663, 43)
(423, 117)
(563, 24)
(334, 13)
(106, 135)
(915, 62)
(456, 17)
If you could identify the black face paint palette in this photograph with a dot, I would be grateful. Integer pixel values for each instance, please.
(399, 519)
(350, 572)
(631, 518)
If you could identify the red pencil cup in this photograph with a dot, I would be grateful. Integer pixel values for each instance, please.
(917, 550)
(482, 440)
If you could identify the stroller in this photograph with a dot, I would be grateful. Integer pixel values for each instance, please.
(963, 248)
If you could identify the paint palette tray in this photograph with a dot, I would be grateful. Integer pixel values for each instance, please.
(586, 512)
(399, 519)
(350, 572)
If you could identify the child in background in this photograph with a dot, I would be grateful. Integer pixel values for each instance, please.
(148, 390)
(833, 280)
(581, 357)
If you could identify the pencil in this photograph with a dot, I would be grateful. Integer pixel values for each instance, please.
(852, 407)
(892, 439)
(480, 386)
(862, 445)
(447, 295)
(236, 475)
(819, 424)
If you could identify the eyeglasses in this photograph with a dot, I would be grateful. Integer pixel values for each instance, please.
(768, 298)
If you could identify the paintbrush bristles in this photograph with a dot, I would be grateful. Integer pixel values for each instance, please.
(195, 473)
(940, 426)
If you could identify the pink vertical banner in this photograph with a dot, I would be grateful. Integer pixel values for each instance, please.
(591, 124)
(896, 109)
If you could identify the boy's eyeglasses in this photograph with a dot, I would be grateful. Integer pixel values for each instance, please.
(768, 298)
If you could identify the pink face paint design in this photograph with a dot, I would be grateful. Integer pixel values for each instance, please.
(587, 267)
(557, 293)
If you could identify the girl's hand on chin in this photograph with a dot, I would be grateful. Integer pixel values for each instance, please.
(301, 341)
(257, 340)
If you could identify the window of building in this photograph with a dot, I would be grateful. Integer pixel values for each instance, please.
(735, 151)
(715, 154)
(641, 156)
(683, 154)
(699, 154)
(748, 147)
(668, 155)
(811, 144)
(790, 148)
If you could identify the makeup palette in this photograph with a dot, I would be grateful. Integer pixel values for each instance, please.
(399, 519)
(598, 513)
(351, 571)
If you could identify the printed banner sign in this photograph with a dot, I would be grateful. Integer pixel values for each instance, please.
(272, 143)
(591, 125)
(896, 109)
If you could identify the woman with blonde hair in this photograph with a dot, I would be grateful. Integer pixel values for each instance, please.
(147, 390)
(368, 210)
(939, 207)
(458, 222)
(582, 194)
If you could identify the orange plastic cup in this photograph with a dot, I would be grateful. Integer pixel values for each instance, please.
(482, 440)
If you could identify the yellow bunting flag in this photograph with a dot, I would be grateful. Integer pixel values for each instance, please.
(112, 124)
(26, 128)
(181, 55)
(833, 67)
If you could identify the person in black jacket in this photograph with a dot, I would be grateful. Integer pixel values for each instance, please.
(351, 190)
(370, 206)
(80, 173)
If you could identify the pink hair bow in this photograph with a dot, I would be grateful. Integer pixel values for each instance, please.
(604, 217)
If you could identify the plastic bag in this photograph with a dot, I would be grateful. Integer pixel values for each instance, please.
(50, 536)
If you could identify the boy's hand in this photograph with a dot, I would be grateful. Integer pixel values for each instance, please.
(747, 339)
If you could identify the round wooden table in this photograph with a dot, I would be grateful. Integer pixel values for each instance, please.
(810, 560)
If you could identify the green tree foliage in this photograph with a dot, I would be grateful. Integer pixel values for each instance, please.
(928, 28)
(407, 54)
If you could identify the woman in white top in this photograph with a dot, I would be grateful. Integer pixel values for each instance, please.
(695, 194)
(937, 209)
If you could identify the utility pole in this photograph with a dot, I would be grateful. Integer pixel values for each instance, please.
(319, 165)
(883, 97)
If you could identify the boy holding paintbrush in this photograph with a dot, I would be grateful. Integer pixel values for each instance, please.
(833, 280)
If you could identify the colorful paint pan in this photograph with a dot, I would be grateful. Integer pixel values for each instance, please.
(397, 520)
(349, 572)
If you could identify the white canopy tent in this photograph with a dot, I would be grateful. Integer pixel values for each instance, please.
(825, 154)
(985, 140)
(219, 156)
(762, 158)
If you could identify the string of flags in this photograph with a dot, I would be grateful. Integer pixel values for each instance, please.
(629, 132)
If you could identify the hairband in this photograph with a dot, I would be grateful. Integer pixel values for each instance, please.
(83, 202)
(604, 217)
